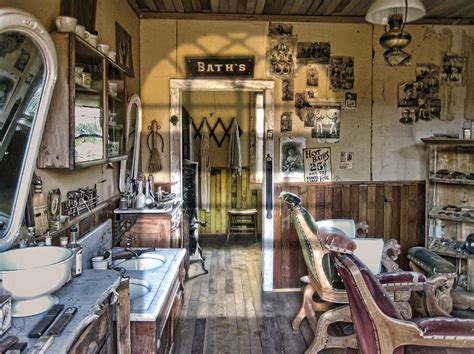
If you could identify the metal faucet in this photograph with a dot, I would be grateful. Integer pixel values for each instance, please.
(31, 237)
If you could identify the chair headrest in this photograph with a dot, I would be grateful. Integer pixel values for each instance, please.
(336, 240)
(346, 225)
(290, 198)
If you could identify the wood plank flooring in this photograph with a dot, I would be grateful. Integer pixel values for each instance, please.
(225, 311)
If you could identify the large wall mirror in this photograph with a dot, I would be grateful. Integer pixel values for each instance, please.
(28, 68)
(133, 131)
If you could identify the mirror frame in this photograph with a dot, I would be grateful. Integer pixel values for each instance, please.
(11, 20)
(134, 100)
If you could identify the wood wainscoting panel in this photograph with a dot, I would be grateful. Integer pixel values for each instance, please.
(391, 209)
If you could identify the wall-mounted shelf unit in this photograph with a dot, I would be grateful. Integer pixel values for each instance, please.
(450, 204)
(87, 112)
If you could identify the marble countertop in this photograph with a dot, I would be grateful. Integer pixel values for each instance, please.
(86, 293)
(148, 307)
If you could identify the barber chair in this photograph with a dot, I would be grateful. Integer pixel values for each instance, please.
(325, 290)
(378, 326)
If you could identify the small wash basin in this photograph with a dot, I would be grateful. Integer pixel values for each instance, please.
(146, 261)
(138, 288)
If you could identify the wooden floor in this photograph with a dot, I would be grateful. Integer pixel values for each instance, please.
(225, 311)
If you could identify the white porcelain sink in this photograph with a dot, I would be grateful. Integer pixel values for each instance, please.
(32, 274)
(146, 261)
(138, 288)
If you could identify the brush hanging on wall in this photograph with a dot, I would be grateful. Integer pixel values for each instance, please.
(153, 143)
(212, 129)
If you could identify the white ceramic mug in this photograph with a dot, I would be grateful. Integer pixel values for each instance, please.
(80, 30)
(87, 35)
(66, 24)
(99, 263)
(112, 55)
(104, 48)
(92, 39)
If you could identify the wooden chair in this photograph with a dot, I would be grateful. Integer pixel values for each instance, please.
(316, 244)
(378, 325)
(242, 222)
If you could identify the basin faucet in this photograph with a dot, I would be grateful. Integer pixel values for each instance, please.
(31, 237)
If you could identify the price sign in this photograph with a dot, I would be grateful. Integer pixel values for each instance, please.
(317, 165)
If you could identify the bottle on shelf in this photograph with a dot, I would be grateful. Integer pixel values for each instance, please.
(76, 248)
(140, 197)
(149, 197)
(39, 208)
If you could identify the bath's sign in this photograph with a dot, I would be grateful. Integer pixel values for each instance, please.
(219, 67)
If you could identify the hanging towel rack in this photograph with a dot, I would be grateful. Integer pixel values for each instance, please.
(212, 129)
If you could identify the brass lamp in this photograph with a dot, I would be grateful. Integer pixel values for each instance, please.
(395, 13)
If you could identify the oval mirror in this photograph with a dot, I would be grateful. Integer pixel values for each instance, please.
(133, 131)
(28, 68)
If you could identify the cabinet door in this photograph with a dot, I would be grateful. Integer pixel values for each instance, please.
(122, 323)
(95, 335)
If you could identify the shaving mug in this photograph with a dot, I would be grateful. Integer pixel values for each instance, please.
(92, 39)
(80, 30)
(112, 55)
(104, 48)
(99, 263)
(66, 24)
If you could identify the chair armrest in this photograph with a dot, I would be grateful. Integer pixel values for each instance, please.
(390, 253)
(415, 281)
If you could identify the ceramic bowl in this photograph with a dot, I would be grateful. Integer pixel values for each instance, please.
(66, 24)
(104, 48)
(99, 263)
(32, 274)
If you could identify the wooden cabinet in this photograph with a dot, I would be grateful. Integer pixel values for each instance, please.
(158, 336)
(149, 229)
(87, 112)
(450, 205)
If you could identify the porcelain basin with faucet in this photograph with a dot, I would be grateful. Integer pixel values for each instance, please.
(32, 274)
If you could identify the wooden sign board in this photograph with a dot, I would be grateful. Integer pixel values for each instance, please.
(217, 67)
(317, 165)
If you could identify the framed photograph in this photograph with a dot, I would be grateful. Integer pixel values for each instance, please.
(350, 100)
(345, 162)
(291, 158)
(317, 165)
(341, 74)
(427, 81)
(280, 29)
(312, 76)
(281, 56)
(327, 119)
(452, 70)
(123, 45)
(406, 94)
(286, 122)
(408, 116)
(83, 10)
(313, 52)
(287, 90)
(312, 94)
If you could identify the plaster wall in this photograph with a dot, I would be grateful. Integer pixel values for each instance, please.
(383, 148)
(108, 11)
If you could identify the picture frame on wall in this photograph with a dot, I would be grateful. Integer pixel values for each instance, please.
(83, 10)
(123, 47)
(291, 158)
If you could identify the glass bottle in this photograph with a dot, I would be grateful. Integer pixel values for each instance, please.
(140, 198)
(76, 248)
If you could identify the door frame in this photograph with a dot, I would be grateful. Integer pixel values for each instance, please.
(265, 86)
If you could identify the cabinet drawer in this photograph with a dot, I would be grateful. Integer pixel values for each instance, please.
(94, 336)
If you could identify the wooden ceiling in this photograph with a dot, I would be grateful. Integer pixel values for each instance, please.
(438, 11)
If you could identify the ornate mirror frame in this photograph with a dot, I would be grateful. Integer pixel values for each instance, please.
(134, 100)
(20, 21)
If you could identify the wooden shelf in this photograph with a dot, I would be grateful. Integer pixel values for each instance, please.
(82, 88)
(448, 141)
(466, 182)
(435, 215)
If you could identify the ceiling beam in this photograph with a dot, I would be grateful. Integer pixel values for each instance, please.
(290, 18)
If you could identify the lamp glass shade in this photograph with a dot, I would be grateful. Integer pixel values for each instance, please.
(380, 10)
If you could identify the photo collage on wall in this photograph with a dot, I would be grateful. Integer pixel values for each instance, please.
(419, 99)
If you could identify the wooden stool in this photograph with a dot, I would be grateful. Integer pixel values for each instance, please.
(242, 222)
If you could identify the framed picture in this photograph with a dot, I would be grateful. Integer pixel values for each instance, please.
(291, 158)
(123, 47)
(83, 10)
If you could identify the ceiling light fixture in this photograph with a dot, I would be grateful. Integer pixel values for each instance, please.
(395, 13)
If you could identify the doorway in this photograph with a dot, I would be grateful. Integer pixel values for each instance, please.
(179, 91)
